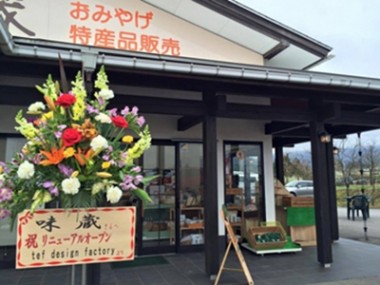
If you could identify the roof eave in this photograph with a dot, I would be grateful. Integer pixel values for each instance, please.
(251, 18)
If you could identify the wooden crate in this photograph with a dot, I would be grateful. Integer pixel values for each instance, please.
(298, 201)
(304, 235)
(252, 232)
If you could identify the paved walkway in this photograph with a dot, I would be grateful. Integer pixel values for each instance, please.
(354, 263)
(355, 229)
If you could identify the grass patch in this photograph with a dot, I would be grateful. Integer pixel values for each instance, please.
(341, 194)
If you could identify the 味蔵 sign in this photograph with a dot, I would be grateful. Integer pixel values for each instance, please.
(55, 237)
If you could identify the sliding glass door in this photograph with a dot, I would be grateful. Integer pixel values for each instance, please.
(158, 218)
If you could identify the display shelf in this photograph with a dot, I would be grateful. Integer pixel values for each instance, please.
(156, 235)
(192, 225)
(270, 251)
(301, 222)
(235, 208)
(158, 206)
(192, 228)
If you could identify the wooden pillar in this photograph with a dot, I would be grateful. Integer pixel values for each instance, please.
(321, 194)
(279, 163)
(211, 210)
(332, 192)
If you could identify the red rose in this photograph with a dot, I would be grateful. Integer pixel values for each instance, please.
(120, 121)
(71, 136)
(66, 100)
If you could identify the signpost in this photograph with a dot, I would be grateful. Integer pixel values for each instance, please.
(233, 241)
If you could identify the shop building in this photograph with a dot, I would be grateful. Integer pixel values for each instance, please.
(220, 85)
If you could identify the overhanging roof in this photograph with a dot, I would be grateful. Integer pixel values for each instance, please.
(281, 46)
(348, 103)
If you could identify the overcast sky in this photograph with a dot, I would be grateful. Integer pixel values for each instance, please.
(350, 27)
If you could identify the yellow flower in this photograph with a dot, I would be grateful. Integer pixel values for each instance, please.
(47, 116)
(24, 150)
(69, 152)
(74, 174)
(127, 139)
(1, 169)
(106, 164)
(103, 174)
(78, 89)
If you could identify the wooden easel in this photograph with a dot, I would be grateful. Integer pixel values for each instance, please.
(233, 241)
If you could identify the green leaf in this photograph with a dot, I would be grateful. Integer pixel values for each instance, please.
(143, 195)
(148, 179)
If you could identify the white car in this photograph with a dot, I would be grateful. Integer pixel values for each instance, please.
(300, 188)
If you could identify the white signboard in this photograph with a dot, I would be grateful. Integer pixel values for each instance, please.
(55, 237)
(123, 25)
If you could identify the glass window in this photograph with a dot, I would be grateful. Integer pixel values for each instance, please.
(243, 170)
(158, 222)
(11, 146)
(191, 194)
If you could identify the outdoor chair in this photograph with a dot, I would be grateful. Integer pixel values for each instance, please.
(360, 203)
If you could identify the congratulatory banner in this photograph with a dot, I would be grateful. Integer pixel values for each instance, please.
(55, 237)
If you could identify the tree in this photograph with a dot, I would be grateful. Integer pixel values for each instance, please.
(297, 168)
(371, 161)
(346, 161)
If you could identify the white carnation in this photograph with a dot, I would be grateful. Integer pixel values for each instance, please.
(70, 185)
(36, 108)
(106, 94)
(114, 194)
(25, 170)
(103, 118)
(99, 143)
(97, 187)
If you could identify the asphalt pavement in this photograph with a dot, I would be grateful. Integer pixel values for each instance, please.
(354, 229)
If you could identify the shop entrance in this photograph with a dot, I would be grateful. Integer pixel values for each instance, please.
(174, 221)
(244, 184)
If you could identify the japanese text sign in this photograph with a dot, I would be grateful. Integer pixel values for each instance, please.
(114, 25)
(132, 26)
(55, 237)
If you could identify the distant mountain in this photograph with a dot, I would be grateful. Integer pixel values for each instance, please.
(304, 156)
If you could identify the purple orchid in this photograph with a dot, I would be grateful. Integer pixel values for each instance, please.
(65, 170)
(125, 111)
(6, 194)
(4, 214)
(91, 110)
(135, 110)
(51, 187)
(136, 169)
(140, 121)
(112, 112)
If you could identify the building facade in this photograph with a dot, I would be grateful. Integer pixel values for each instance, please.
(220, 85)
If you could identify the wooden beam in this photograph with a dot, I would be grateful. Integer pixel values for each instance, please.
(282, 127)
(156, 105)
(329, 112)
(359, 119)
(188, 122)
(263, 112)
